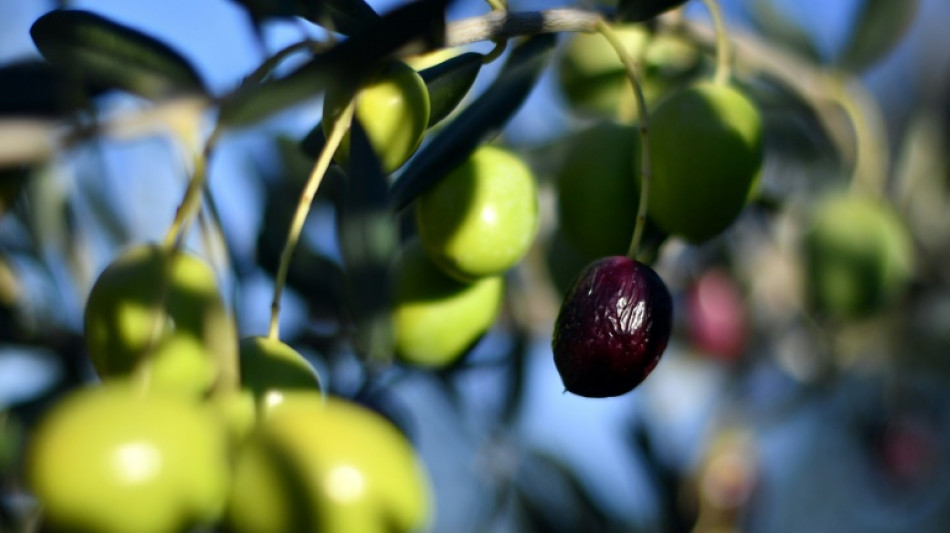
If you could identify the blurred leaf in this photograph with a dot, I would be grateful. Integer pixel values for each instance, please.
(640, 10)
(344, 16)
(517, 359)
(113, 55)
(368, 239)
(879, 26)
(554, 500)
(782, 29)
(349, 17)
(449, 82)
(478, 122)
(37, 88)
(420, 25)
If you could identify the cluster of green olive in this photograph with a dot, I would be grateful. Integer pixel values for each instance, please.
(171, 440)
(473, 225)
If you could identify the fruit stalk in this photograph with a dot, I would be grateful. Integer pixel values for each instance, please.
(871, 154)
(191, 202)
(337, 130)
(645, 171)
(723, 52)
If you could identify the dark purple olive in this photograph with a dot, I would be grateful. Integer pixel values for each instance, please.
(612, 328)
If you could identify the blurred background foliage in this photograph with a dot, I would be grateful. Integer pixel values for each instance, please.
(795, 422)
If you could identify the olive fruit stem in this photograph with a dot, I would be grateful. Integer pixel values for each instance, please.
(337, 130)
(646, 172)
(871, 154)
(723, 52)
(191, 202)
(497, 5)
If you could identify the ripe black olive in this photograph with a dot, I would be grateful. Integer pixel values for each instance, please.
(612, 329)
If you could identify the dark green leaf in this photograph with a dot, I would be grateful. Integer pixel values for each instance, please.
(36, 88)
(782, 29)
(879, 26)
(449, 82)
(640, 10)
(419, 25)
(112, 55)
(478, 122)
(344, 16)
(350, 17)
(368, 239)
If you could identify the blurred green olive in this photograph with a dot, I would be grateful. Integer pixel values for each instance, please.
(706, 152)
(110, 459)
(316, 465)
(158, 312)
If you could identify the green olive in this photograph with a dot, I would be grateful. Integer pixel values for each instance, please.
(269, 368)
(859, 256)
(706, 153)
(480, 220)
(158, 312)
(436, 318)
(316, 465)
(112, 460)
(394, 111)
(598, 189)
(594, 80)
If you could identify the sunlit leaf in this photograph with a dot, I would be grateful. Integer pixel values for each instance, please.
(113, 55)
(478, 123)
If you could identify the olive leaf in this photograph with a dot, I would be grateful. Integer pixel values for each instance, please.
(420, 25)
(368, 239)
(640, 10)
(112, 55)
(449, 82)
(879, 27)
(343, 16)
(478, 122)
(38, 89)
(782, 29)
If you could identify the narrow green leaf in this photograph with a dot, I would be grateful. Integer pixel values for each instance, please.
(782, 29)
(478, 122)
(641, 10)
(368, 240)
(449, 82)
(349, 17)
(879, 26)
(420, 24)
(112, 55)
(38, 89)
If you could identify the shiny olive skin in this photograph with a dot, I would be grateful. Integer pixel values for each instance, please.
(270, 367)
(110, 459)
(706, 153)
(316, 465)
(393, 109)
(612, 328)
(158, 312)
(437, 318)
(482, 218)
